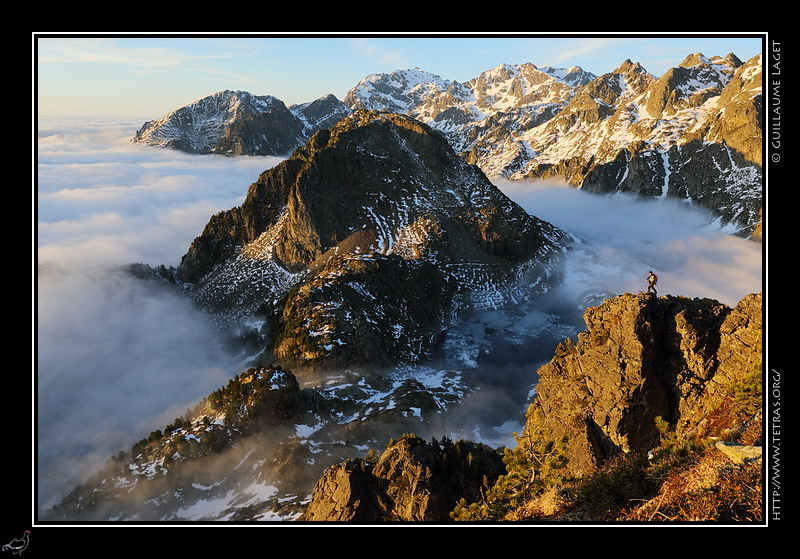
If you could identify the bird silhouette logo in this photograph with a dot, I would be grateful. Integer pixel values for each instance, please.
(18, 545)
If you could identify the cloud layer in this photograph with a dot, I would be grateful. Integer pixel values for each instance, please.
(624, 237)
(117, 358)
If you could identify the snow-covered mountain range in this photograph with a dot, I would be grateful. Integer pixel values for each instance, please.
(695, 133)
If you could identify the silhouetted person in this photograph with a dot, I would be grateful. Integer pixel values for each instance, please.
(652, 280)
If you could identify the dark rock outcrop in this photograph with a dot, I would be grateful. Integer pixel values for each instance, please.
(644, 362)
(391, 312)
(413, 480)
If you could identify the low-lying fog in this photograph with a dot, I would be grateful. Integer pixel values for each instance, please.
(116, 359)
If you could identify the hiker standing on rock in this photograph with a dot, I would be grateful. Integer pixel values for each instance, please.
(652, 280)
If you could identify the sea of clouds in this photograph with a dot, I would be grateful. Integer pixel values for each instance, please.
(116, 358)
(624, 237)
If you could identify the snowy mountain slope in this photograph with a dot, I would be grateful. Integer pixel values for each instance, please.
(626, 107)
(240, 123)
(694, 134)
(623, 131)
(504, 98)
(252, 450)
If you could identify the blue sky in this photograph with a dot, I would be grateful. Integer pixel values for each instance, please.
(144, 77)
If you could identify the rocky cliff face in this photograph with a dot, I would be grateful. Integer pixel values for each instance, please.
(643, 357)
(359, 247)
(413, 480)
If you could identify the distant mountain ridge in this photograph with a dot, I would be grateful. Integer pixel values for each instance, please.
(240, 123)
(695, 133)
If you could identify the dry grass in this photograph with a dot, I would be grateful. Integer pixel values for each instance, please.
(708, 487)
(712, 488)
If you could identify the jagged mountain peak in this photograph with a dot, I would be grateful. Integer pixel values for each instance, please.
(694, 59)
(506, 71)
(363, 242)
(232, 122)
(227, 106)
(381, 171)
(399, 91)
(695, 81)
(522, 87)
(320, 114)
(241, 95)
(703, 66)
(501, 72)
(408, 76)
(372, 169)
(406, 79)
(630, 78)
(324, 100)
(575, 76)
(233, 99)
(628, 67)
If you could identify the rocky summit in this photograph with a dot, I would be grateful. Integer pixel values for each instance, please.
(645, 357)
(364, 245)
(240, 123)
